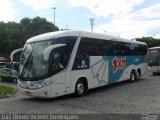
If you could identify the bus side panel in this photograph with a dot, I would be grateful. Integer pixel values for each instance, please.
(99, 71)
(77, 74)
(116, 66)
(120, 67)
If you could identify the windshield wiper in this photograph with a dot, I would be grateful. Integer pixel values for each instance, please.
(27, 63)
(32, 67)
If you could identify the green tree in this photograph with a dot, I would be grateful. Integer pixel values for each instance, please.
(151, 42)
(35, 26)
(3, 39)
(14, 35)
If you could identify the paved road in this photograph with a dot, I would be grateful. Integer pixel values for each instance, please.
(140, 97)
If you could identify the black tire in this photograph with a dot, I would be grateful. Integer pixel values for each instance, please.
(80, 88)
(154, 73)
(132, 76)
(138, 75)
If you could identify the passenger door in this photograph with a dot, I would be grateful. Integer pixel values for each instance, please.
(58, 72)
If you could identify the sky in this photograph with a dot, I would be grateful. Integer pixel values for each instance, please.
(125, 18)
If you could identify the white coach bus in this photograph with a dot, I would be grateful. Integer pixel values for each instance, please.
(154, 60)
(65, 62)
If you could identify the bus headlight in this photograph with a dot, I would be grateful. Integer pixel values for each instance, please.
(44, 84)
(39, 86)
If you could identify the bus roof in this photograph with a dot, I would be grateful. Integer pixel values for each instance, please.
(158, 47)
(52, 35)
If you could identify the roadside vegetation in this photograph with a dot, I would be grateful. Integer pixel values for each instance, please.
(151, 42)
(6, 91)
(13, 35)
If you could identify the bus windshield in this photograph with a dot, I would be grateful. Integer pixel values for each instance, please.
(32, 64)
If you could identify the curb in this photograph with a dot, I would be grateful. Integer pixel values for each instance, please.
(4, 96)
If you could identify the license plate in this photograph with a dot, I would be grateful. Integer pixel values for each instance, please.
(28, 93)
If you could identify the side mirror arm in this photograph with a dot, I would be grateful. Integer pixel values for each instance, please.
(14, 52)
(48, 50)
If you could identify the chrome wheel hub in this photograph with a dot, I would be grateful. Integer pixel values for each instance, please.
(80, 88)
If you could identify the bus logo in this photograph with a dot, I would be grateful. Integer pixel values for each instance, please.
(83, 65)
(119, 63)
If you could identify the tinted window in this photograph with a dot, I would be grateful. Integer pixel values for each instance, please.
(60, 56)
(139, 49)
(91, 47)
(97, 47)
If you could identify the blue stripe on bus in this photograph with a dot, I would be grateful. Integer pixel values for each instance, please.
(115, 75)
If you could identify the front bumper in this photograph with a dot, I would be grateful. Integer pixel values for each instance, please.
(44, 92)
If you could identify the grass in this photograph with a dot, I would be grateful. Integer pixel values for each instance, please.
(5, 90)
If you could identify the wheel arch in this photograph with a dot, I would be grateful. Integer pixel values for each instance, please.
(82, 78)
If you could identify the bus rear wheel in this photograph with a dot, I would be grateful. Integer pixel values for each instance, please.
(138, 75)
(154, 73)
(132, 76)
(80, 88)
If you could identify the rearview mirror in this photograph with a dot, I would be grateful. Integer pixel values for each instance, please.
(48, 50)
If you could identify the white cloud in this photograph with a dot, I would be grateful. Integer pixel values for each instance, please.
(130, 28)
(136, 24)
(7, 11)
(122, 17)
(107, 7)
(38, 4)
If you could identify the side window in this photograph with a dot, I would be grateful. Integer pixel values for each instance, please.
(70, 42)
(57, 60)
(91, 47)
(139, 49)
(117, 48)
(109, 48)
(84, 48)
(100, 47)
(127, 49)
(144, 49)
(60, 56)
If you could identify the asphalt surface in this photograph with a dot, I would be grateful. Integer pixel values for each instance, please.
(126, 100)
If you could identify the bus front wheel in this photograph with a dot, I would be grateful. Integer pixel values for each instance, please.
(80, 88)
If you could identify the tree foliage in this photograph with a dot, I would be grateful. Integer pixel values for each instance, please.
(14, 35)
(151, 42)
